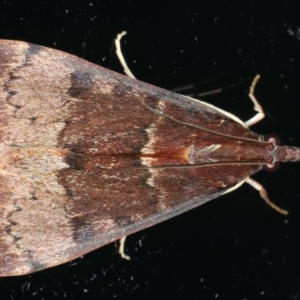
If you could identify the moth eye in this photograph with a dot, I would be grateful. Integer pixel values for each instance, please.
(272, 167)
(273, 138)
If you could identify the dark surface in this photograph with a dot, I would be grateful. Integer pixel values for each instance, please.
(234, 247)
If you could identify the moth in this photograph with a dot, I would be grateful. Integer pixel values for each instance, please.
(89, 156)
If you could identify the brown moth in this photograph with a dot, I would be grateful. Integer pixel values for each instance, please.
(89, 156)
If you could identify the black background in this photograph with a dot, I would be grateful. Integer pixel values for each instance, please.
(234, 247)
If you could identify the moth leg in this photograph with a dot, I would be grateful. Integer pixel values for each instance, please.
(257, 107)
(128, 73)
(121, 248)
(264, 195)
(120, 54)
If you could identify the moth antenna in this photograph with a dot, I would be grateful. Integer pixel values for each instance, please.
(86, 37)
(120, 54)
(194, 86)
(257, 107)
(264, 195)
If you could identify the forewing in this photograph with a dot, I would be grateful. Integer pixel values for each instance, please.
(75, 173)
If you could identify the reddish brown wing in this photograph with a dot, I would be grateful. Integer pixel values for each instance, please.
(77, 142)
